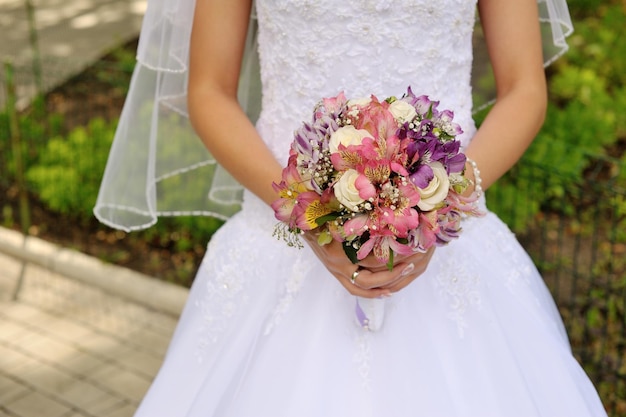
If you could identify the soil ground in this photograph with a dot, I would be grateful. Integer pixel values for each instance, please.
(99, 91)
(559, 248)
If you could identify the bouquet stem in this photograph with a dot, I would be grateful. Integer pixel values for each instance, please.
(370, 313)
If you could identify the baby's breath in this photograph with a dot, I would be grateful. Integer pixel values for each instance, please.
(290, 236)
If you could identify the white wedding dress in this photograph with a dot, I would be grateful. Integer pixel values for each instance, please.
(268, 332)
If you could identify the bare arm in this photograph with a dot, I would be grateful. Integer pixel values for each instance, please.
(217, 43)
(514, 43)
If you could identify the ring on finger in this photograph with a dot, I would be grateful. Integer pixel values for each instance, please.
(355, 275)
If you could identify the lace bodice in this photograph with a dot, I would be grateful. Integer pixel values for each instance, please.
(311, 49)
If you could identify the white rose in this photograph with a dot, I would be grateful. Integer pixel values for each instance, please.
(301, 160)
(437, 189)
(402, 111)
(347, 135)
(361, 102)
(346, 192)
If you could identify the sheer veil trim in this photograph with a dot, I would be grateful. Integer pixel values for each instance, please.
(158, 167)
(555, 24)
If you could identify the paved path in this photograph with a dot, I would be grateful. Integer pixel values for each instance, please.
(83, 339)
(72, 34)
(69, 349)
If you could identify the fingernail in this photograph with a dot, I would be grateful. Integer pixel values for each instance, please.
(386, 295)
(407, 270)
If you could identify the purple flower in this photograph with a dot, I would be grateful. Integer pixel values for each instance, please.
(422, 104)
(454, 161)
(422, 176)
(444, 122)
(449, 227)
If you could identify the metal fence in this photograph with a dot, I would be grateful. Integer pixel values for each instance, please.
(578, 242)
(577, 237)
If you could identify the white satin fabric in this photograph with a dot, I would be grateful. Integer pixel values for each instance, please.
(157, 165)
(268, 332)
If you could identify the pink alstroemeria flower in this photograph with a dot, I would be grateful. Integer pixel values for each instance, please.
(347, 158)
(377, 171)
(389, 163)
(425, 236)
(288, 190)
(334, 104)
(308, 209)
(378, 120)
(384, 227)
(356, 226)
(353, 156)
(464, 204)
(382, 244)
(449, 227)
(403, 221)
(409, 192)
(397, 158)
(367, 190)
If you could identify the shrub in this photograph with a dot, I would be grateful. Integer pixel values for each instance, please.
(584, 136)
(67, 175)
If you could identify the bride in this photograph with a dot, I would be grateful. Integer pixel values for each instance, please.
(469, 329)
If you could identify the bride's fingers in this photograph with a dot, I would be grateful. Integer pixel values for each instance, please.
(381, 278)
(373, 279)
(363, 292)
(373, 264)
(411, 271)
(342, 269)
(368, 279)
(363, 282)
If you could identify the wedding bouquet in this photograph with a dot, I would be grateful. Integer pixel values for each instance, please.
(382, 177)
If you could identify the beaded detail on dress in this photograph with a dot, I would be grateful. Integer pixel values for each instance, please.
(296, 72)
(291, 289)
(458, 284)
(226, 291)
(275, 332)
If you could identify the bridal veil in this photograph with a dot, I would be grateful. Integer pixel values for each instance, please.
(158, 167)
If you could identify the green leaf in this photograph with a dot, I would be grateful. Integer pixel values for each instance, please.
(429, 115)
(320, 221)
(390, 262)
(324, 238)
(350, 252)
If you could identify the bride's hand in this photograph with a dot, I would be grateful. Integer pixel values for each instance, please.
(374, 278)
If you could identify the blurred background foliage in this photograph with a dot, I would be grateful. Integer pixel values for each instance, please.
(565, 200)
(584, 136)
(581, 144)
